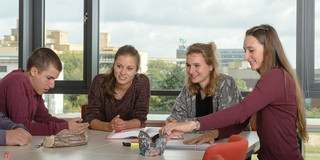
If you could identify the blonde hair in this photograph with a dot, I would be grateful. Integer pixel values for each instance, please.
(208, 53)
(274, 57)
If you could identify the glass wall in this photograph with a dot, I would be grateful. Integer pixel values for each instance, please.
(161, 32)
(64, 34)
(312, 148)
(58, 104)
(9, 36)
(317, 42)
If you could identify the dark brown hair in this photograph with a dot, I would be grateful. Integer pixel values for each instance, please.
(110, 80)
(42, 58)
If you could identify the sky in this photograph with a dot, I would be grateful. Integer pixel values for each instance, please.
(155, 26)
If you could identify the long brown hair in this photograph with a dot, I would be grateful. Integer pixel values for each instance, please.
(274, 56)
(208, 53)
(109, 83)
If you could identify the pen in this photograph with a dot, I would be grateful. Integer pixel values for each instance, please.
(130, 144)
(6, 155)
(39, 145)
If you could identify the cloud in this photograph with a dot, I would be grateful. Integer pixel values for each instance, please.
(9, 14)
(64, 11)
(206, 13)
(164, 40)
(155, 26)
(9, 9)
(224, 22)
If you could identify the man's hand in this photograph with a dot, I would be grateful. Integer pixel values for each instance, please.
(76, 126)
(18, 136)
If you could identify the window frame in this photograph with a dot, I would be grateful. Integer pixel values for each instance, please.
(306, 48)
(31, 33)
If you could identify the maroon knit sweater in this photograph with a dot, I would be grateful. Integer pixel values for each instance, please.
(133, 105)
(23, 105)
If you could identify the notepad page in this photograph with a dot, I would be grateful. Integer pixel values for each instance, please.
(179, 145)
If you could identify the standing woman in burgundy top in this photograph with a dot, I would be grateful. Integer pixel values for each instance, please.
(120, 98)
(277, 100)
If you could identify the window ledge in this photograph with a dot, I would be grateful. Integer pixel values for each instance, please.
(157, 120)
(313, 124)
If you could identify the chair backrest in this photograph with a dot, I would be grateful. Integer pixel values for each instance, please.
(235, 149)
(217, 157)
(83, 111)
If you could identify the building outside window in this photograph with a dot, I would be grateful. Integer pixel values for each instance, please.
(163, 31)
(3, 69)
(9, 39)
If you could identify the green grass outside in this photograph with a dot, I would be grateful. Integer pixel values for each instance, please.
(312, 148)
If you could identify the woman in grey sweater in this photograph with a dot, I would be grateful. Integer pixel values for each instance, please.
(206, 91)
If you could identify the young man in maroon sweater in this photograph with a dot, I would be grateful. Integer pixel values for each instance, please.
(21, 95)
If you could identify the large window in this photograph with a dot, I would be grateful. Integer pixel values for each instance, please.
(64, 34)
(9, 36)
(317, 43)
(161, 32)
(310, 75)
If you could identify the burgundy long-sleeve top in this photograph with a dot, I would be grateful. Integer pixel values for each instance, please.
(274, 100)
(133, 105)
(22, 104)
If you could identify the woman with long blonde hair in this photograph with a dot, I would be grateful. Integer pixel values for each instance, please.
(206, 91)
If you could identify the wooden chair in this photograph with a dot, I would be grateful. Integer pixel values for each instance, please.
(235, 149)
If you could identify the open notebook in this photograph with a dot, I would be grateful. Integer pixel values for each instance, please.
(131, 133)
(179, 145)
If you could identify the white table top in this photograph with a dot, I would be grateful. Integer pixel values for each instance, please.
(100, 148)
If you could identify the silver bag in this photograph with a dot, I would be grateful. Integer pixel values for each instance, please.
(65, 138)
